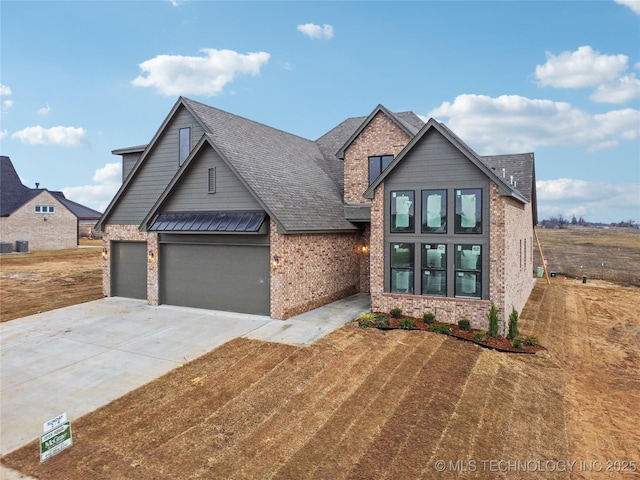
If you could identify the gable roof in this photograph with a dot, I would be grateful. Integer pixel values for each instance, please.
(504, 186)
(407, 121)
(13, 194)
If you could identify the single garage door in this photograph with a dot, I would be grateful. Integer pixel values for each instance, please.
(233, 278)
(129, 269)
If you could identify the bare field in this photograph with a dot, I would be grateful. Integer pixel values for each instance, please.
(611, 254)
(45, 280)
(362, 404)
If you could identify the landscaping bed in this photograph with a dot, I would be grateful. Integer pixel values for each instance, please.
(389, 321)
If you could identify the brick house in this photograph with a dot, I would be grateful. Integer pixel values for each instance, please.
(224, 213)
(38, 218)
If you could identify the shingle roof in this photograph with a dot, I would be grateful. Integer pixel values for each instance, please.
(13, 194)
(519, 166)
(288, 174)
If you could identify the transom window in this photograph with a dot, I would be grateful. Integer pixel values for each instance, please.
(468, 210)
(45, 209)
(434, 211)
(402, 211)
(377, 164)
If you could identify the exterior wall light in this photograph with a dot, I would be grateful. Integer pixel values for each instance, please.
(364, 249)
(105, 252)
(276, 260)
(151, 256)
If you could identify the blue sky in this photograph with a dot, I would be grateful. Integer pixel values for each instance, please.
(79, 79)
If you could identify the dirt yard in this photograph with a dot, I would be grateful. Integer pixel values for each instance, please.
(40, 281)
(365, 404)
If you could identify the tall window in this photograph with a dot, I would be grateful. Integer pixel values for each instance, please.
(468, 210)
(402, 211)
(434, 269)
(402, 257)
(377, 165)
(434, 211)
(185, 144)
(468, 272)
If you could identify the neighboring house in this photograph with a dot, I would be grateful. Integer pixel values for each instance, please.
(36, 218)
(224, 213)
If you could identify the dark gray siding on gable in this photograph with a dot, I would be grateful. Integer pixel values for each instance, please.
(128, 161)
(434, 163)
(160, 165)
(192, 194)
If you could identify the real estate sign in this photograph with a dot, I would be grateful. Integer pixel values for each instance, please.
(57, 437)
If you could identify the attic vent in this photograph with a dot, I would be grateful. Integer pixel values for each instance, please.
(212, 180)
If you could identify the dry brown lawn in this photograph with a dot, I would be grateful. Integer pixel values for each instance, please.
(364, 404)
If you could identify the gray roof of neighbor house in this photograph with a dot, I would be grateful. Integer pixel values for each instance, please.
(13, 194)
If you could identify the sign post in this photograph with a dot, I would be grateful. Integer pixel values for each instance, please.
(57, 437)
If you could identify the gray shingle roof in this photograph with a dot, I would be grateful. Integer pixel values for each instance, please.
(289, 174)
(520, 166)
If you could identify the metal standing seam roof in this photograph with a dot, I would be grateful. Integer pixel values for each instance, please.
(239, 222)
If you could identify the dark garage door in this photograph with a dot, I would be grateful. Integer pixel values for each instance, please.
(129, 269)
(233, 278)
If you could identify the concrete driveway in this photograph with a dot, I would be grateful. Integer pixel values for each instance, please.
(82, 357)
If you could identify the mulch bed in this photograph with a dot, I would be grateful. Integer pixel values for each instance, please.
(384, 321)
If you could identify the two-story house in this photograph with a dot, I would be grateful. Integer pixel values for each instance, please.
(224, 213)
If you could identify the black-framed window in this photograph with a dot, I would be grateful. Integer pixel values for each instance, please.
(468, 270)
(402, 261)
(377, 164)
(44, 209)
(402, 211)
(434, 211)
(184, 144)
(434, 269)
(468, 210)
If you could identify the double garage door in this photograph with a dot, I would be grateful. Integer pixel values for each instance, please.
(232, 278)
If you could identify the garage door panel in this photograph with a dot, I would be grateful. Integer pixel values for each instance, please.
(129, 269)
(218, 277)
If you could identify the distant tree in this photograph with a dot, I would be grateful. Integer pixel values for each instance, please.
(574, 220)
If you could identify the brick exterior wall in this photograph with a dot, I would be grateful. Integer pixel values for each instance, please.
(380, 137)
(132, 233)
(313, 270)
(59, 231)
(509, 284)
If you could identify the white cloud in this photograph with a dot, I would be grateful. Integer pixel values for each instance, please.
(582, 68)
(61, 136)
(311, 30)
(44, 110)
(3, 133)
(632, 4)
(106, 180)
(624, 89)
(526, 124)
(5, 104)
(206, 75)
(593, 200)
(4, 90)
(177, 3)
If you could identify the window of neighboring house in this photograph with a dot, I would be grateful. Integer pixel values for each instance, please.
(434, 269)
(434, 211)
(468, 271)
(212, 180)
(185, 144)
(402, 211)
(468, 210)
(377, 165)
(402, 257)
(45, 209)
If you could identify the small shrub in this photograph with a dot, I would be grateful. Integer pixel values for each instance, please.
(396, 312)
(518, 343)
(381, 316)
(440, 328)
(366, 316)
(513, 325)
(480, 336)
(364, 323)
(428, 318)
(382, 321)
(493, 320)
(532, 340)
(407, 324)
(464, 324)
